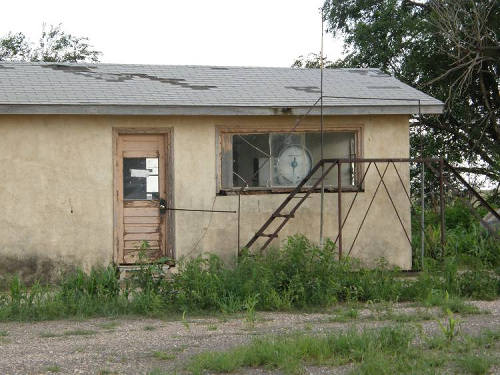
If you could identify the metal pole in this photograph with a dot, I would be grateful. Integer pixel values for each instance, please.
(339, 202)
(422, 190)
(422, 217)
(322, 202)
(442, 204)
(239, 210)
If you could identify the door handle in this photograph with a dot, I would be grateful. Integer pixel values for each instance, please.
(163, 206)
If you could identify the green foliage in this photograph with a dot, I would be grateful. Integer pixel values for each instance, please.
(288, 353)
(466, 240)
(388, 350)
(450, 328)
(54, 45)
(445, 48)
(299, 275)
(164, 356)
(345, 316)
(249, 306)
(475, 364)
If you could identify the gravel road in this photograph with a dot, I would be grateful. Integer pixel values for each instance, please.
(128, 345)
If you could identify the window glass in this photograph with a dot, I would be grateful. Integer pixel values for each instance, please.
(283, 159)
(251, 160)
(140, 178)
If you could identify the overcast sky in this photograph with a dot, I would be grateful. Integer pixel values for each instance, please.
(205, 32)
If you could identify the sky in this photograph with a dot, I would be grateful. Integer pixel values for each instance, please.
(197, 32)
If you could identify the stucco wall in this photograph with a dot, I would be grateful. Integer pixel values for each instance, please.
(56, 190)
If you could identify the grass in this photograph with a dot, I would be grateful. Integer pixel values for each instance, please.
(53, 368)
(454, 304)
(107, 372)
(387, 350)
(164, 356)
(345, 316)
(74, 332)
(179, 348)
(109, 325)
(149, 328)
(79, 332)
(48, 334)
(412, 317)
(4, 333)
(475, 364)
(158, 371)
(300, 276)
(212, 327)
(289, 353)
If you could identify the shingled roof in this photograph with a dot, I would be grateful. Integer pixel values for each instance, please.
(46, 88)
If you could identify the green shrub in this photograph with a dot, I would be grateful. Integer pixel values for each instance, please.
(479, 284)
(299, 275)
(466, 239)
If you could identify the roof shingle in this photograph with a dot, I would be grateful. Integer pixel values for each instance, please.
(26, 87)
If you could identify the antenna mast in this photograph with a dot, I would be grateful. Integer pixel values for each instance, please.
(321, 223)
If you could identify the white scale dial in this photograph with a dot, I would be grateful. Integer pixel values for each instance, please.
(294, 164)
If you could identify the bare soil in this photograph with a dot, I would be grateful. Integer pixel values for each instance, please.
(128, 345)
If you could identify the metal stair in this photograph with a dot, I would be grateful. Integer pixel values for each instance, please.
(328, 165)
(285, 217)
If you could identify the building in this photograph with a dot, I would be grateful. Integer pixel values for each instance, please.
(87, 151)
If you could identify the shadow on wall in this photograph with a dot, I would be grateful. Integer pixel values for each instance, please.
(31, 269)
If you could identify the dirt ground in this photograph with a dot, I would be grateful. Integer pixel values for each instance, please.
(128, 345)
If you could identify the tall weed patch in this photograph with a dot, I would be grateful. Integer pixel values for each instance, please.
(466, 239)
(299, 275)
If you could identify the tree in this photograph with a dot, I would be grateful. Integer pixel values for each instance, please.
(54, 45)
(447, 48)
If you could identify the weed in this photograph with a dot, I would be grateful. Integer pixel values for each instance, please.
(345, 316)
(288, 353)
(475, 364)
(249, 304)
(164, 356)
(185, 323)
(450, 328)
(53, 368)
(212, 327)
(179, 348)
(415, 317)
(79, 332)
(453, 303)
(158, 371)
(49, 334)
(4, 333)
(109, 325)
(300, 275)
(107, 372)
(75, 332)
(388, 350)
(149, 328)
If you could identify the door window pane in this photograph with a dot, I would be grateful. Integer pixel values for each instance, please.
(140, 179)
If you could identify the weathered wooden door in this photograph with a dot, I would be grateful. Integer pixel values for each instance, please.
(140, 197)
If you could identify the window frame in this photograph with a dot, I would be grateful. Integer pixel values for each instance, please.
(222, 147)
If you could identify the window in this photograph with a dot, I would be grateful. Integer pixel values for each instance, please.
(140, 178)
(280, 161)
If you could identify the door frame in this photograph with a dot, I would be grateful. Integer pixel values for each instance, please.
(167, 134)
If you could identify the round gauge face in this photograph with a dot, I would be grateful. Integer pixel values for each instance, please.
(294, 164)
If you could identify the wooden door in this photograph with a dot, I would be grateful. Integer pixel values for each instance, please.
(140, 191)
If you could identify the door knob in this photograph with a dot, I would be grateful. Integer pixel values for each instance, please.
(163, 206)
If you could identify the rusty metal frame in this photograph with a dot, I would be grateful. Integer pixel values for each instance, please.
(430, 162)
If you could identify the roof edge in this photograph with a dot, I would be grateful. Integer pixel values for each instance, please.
(154, 110)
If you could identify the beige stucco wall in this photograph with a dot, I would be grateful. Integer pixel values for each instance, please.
(56, 190)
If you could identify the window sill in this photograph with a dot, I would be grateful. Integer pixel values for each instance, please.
(265, 190)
